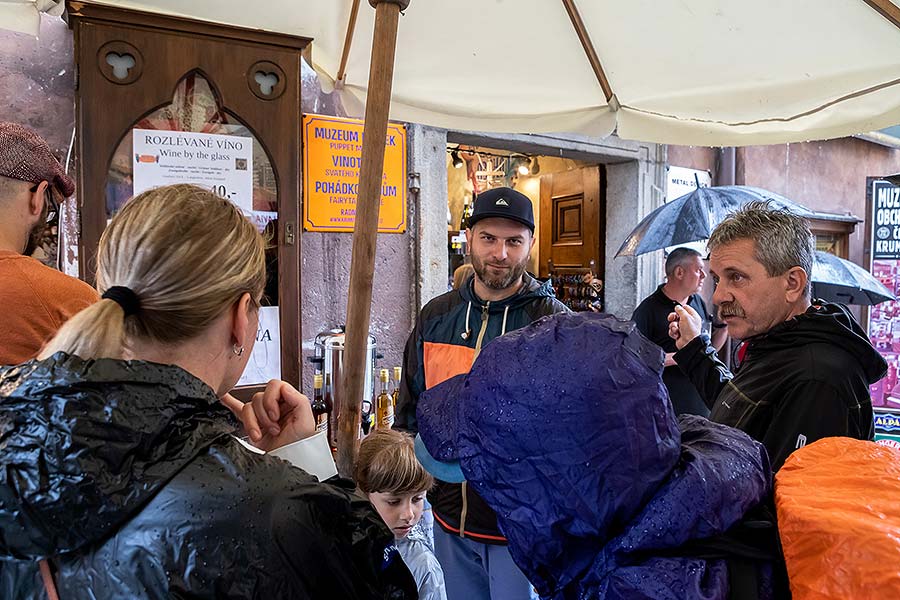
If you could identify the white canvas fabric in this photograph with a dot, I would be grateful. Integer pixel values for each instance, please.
(699, 72)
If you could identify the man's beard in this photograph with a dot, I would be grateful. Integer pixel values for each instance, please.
(512, 277)
(35, 237)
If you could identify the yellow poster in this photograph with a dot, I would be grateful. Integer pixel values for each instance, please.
(332, 147)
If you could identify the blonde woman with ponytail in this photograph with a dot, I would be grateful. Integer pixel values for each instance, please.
(120, 476)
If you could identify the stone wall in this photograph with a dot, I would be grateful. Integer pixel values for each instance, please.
(37, 79)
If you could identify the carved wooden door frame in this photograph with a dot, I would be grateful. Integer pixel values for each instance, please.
(165, 50)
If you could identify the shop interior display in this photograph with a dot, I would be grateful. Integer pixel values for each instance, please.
(579, 288)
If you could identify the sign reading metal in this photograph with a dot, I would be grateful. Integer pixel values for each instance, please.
(332, 150)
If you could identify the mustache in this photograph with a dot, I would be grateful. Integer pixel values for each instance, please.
(730, 309)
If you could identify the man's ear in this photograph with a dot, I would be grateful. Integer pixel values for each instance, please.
(533, 240)
(240, 320)
(795, 284)
(469, 236)
(37, 198)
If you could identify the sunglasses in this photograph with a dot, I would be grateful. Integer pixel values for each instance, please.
(52, 206)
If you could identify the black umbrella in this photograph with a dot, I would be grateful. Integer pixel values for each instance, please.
(838, 280)
(692, 217)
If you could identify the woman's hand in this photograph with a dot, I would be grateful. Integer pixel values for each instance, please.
(232, 404)
(277, 416)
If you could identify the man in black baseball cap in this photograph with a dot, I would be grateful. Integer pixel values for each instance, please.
(499, 245)
(450, 332)
(505, 203)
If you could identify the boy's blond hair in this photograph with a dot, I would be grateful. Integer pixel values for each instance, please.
(387, 464)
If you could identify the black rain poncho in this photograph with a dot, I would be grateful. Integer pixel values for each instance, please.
(126, 475)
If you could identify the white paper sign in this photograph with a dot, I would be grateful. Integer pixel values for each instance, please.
(261, 218)
(265, 361)
(221, 163)
(682, 181)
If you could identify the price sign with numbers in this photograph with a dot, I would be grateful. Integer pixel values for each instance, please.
(221, 163)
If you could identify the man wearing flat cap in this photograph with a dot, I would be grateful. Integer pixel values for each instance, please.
(35, 299)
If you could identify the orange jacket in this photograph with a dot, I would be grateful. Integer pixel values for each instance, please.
(35, 301)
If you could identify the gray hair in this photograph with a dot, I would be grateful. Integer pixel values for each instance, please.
(11, 188)
(782, 239)
(678, 258)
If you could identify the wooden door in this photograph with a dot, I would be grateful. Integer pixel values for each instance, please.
(573, 225)
(145, 71)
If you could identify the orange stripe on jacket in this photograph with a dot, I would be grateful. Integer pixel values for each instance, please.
(496, 538)
(443, 361)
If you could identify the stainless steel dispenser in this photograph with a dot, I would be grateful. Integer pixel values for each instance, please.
(328, 356)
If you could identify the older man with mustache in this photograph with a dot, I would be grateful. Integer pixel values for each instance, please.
(807, 364)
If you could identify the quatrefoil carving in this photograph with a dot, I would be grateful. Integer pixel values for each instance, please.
(121, 64)
(266, 81)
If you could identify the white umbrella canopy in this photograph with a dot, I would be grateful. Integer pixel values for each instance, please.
(697, 72)
(701, 72)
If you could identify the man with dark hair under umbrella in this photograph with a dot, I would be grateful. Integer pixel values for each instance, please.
(685, 274)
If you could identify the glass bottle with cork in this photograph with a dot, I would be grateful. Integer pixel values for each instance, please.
(395, 393)
(384, 408)
(319, 409)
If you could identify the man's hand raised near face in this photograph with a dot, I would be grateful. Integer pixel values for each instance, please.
(684, 325)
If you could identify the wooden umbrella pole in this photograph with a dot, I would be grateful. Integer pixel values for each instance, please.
(365, 231)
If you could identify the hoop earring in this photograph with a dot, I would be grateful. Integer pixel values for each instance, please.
(237, 351)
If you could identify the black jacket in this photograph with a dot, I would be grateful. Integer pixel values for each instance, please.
(652, 319)
(805, 379)
(126, 475)
(450, 331)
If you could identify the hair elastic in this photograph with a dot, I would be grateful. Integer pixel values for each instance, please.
(124, 297)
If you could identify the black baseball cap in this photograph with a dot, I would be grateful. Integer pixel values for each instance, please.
(503, 202)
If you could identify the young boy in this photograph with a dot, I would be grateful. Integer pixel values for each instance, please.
(391, 477)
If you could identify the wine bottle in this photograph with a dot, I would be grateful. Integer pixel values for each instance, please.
(384, 408)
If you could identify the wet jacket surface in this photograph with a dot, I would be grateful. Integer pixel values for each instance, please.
(805, 379)
(600, 490)
(126, 475)
(449, 332)
(419, 557)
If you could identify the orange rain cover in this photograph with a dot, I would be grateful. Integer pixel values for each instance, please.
(838, 503)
